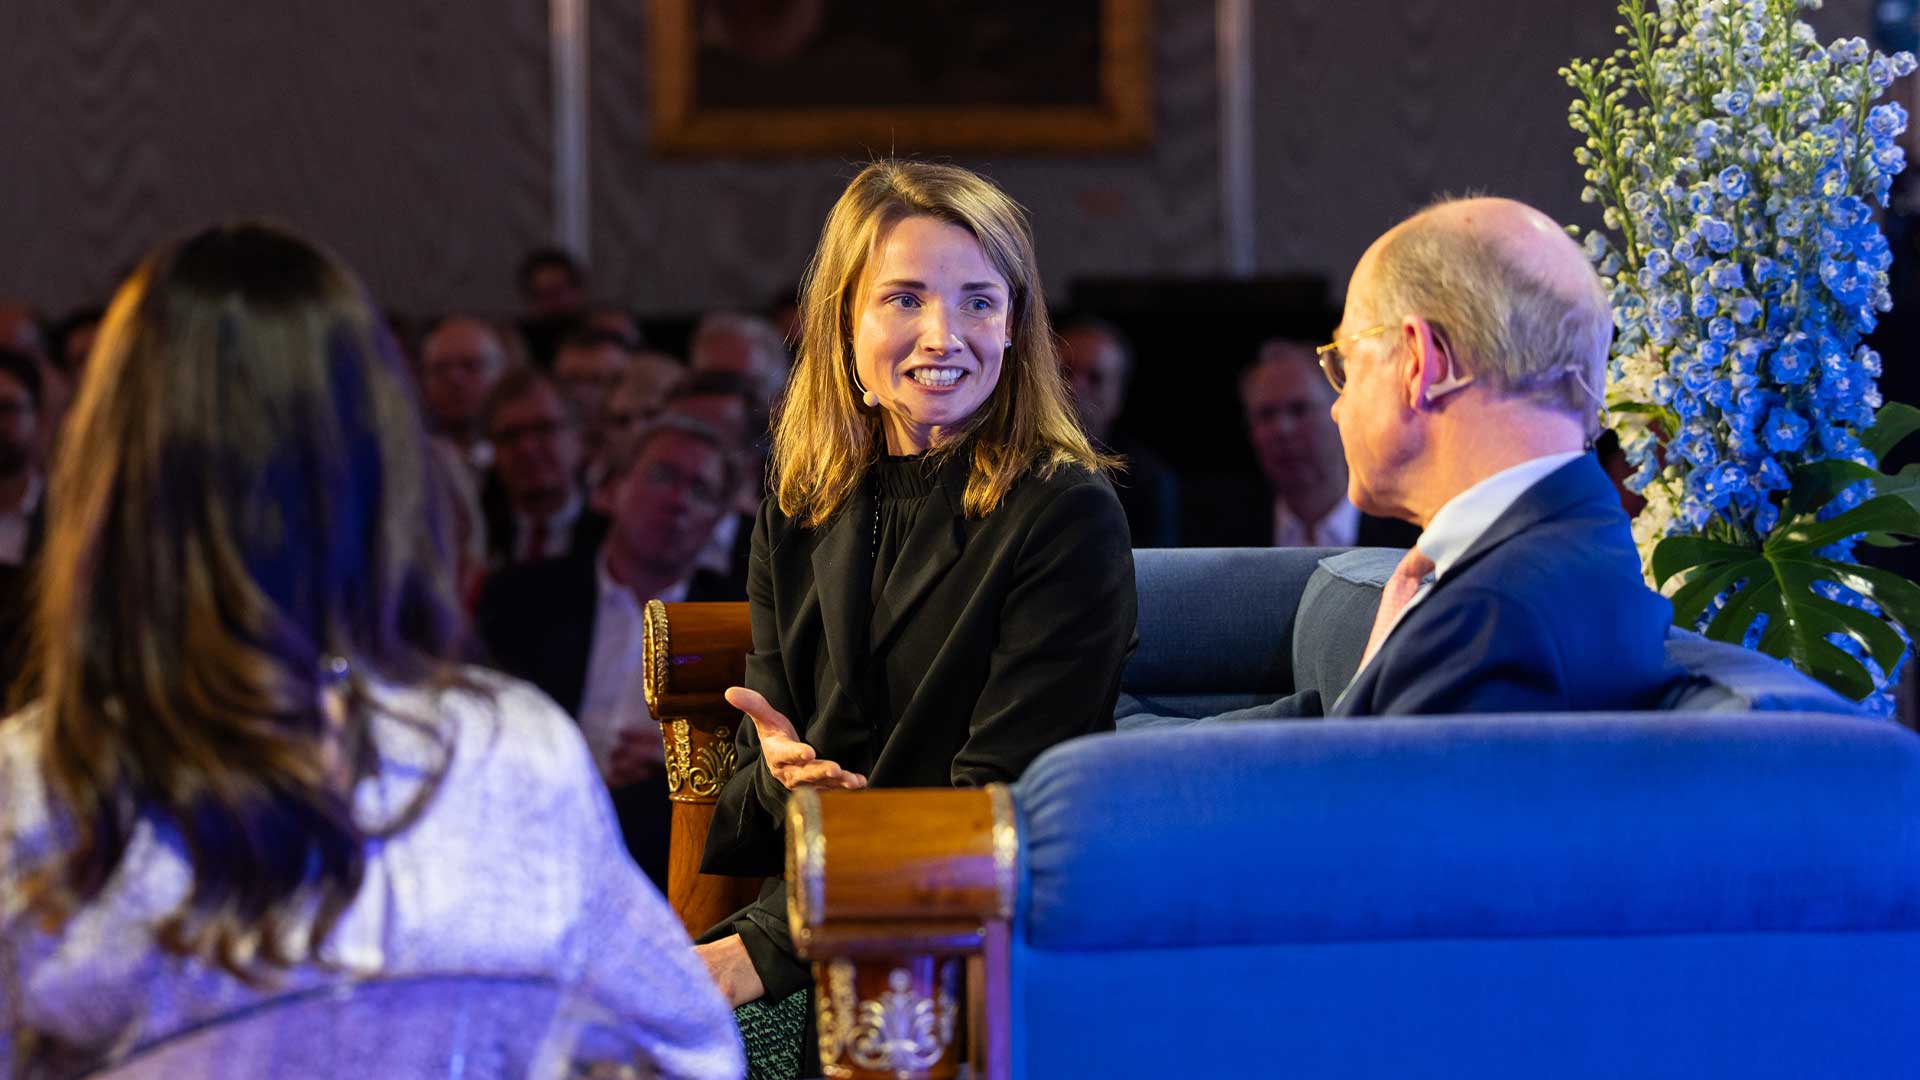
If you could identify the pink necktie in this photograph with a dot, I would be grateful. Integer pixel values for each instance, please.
(1395, 596)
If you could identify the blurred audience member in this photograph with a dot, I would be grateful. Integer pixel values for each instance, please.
(589, 367)
(1614, 460)
(254, 766)
(553, 297)
(617, 321)
(783, 311)
(460, 360)
(729, 403)
(539, 512)
(73, 341)
(553, 284)
(22, 331)
(640, 397)
(573, 626)
(21, 514)
(739, 344)
(1098, 366)
(1288, 404)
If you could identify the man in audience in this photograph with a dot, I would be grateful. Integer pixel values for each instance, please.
(539, 512)
(21, 487)
(1469, 360)
(460, 360)
(552, 285)
(740, 344)
(1286, 401)
(1098, 366)
(589, 366)
(553, 296)
(573, 626)
(642, 394)
(729, 403)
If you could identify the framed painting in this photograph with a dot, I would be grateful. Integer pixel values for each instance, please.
(861, 77)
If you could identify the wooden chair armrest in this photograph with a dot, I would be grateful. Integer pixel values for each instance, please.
(892, 894)
(692, 653)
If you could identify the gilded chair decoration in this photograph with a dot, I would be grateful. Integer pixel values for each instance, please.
(679, 755)
(900, 1031)
(712, 764)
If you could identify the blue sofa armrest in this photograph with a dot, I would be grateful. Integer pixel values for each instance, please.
(1513, 826)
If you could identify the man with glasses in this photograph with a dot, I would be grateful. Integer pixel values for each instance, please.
(1467, 364)
(574, 626)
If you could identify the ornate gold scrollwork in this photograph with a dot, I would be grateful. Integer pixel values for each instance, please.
(679, 754)
(712, 764)
(656, 654)
(900, 1031)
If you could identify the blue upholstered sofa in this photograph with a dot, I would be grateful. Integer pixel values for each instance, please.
(1729, 887)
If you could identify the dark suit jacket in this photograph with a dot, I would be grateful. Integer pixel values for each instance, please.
(536, 621)
(994, 639)
(502, 529)
(1246, 520)
(1547, 611)
(1150, 494)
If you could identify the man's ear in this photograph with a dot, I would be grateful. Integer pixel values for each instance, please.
(1428, 358)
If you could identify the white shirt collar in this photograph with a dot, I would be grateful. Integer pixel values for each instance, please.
(610, 588)
(1339, 528)
(1467, 516)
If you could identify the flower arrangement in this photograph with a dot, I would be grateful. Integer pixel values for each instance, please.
(1737, 163)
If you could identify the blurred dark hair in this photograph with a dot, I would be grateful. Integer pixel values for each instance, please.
(542, 258)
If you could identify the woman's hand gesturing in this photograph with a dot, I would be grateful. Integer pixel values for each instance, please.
(791, 761)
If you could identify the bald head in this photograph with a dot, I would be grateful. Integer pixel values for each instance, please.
(1524, 313)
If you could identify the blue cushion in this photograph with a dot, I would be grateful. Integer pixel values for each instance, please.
(1728, 678)
(1336, 617)
(1471, 826)
(1747, 1006)
(1217, 620)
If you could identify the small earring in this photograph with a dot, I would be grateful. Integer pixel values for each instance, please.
(871, 399)
(1007, 344)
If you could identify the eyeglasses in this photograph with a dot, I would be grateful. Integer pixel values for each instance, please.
(1333, 362)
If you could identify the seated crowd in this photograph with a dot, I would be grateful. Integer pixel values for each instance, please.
(259, 740)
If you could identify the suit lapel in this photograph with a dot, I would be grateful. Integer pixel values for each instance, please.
(929, 552)
(842, 587)
(1577, 484)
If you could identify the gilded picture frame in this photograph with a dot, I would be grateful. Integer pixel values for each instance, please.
(846, 77)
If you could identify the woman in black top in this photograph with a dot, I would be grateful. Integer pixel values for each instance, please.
(941, 579)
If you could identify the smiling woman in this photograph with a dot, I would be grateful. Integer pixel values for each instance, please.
(942, 582)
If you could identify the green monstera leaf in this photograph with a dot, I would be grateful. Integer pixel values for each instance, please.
(1777, 579)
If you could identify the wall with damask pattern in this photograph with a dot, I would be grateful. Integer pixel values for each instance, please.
(414, 137)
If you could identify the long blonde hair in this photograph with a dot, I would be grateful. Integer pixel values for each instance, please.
(243, 496)
(823, 440)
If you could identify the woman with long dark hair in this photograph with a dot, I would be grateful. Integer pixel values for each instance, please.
(250, 763)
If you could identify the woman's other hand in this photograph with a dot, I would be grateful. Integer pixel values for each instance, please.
(791, 761)
(732, 969)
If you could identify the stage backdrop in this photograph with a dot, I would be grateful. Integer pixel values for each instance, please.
(415, 136)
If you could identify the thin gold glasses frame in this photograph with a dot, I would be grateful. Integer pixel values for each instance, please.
(1320, 355)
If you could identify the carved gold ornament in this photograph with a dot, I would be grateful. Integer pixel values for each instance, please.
(899, 1032)
(712, 764)
(656, 654)
(679, 753)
